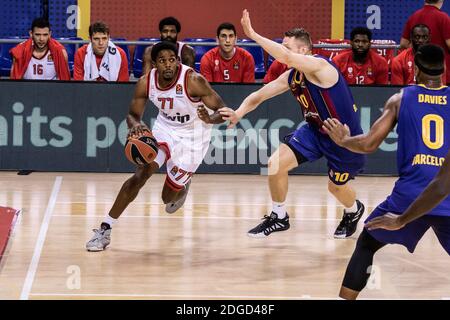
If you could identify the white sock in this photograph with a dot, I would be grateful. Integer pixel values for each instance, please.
(353, 208)
(279, 209)
(109, 220)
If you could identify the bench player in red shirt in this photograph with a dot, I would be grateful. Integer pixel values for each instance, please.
(169, 28)
(228, 62)
(403, 64)
(101, 59)
(40, 57)
(439, 23)
(361, 65)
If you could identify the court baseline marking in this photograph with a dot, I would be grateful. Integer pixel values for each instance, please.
(40, 240)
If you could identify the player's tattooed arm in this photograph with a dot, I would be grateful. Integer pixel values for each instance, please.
(198, 87)
(188, 56)
(136, 109)
(368, 142)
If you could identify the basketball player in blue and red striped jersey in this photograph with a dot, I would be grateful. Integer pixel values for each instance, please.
(422, 115)
(322, 93)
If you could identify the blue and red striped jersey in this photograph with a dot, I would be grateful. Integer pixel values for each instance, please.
(319, 104)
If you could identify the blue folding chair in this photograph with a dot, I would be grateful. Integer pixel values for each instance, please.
(138, 54)
(200, 49)
(71, 48)
(5, 57)
(258, 56)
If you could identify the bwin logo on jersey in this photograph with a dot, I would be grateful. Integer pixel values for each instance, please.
(178, 117)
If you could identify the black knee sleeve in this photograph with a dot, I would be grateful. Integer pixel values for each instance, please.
(357, 272)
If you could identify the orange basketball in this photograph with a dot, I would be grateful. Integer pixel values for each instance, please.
(143, 150)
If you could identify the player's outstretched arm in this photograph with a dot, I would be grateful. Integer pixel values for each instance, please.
(324, 71)
(434, 193)
(136, 109)
(199, 87)
(369, 142)
(250, 103)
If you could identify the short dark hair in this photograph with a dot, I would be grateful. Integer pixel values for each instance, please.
(430, 59)
(432, 1)
(98, 26)
(421, 26)
(40, 23)
(163, 45)
(300, 34)
(361, 30)
(170, 21)
(227, 26)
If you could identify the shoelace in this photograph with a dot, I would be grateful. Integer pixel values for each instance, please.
(346, 220)
(98, 233)
(267, 220)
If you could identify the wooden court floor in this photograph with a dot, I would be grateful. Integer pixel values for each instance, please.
(202, 251)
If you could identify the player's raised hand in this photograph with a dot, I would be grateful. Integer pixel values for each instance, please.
(229, 114)
(247, 24)
(389, 221)
(336, 130)
(137, 131)
(203, 114)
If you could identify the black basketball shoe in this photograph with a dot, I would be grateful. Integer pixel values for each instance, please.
(349, 222)
(270, 224)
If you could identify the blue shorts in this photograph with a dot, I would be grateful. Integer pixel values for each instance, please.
(411, 234)
(307, 143)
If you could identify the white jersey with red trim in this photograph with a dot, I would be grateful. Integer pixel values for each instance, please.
(41, 69)
(183, 137)
(176, 108)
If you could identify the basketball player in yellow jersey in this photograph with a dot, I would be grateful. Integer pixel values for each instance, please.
(183, 137)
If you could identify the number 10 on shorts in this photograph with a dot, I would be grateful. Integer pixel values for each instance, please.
(341, 176)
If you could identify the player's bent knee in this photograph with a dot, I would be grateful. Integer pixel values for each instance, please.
(142, 174)
(279, 163)
(334, 188)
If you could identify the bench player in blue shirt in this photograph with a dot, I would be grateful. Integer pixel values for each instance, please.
(422, 115)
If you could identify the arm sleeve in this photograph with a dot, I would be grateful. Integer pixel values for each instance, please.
(270, 74)
(397, 73)
(446, 28)
(249, 71)
(124, 75)
(78, 66)
(205, 68)
(383, 72)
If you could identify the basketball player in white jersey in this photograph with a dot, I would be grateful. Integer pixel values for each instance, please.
(169, 28)
(180, 95)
